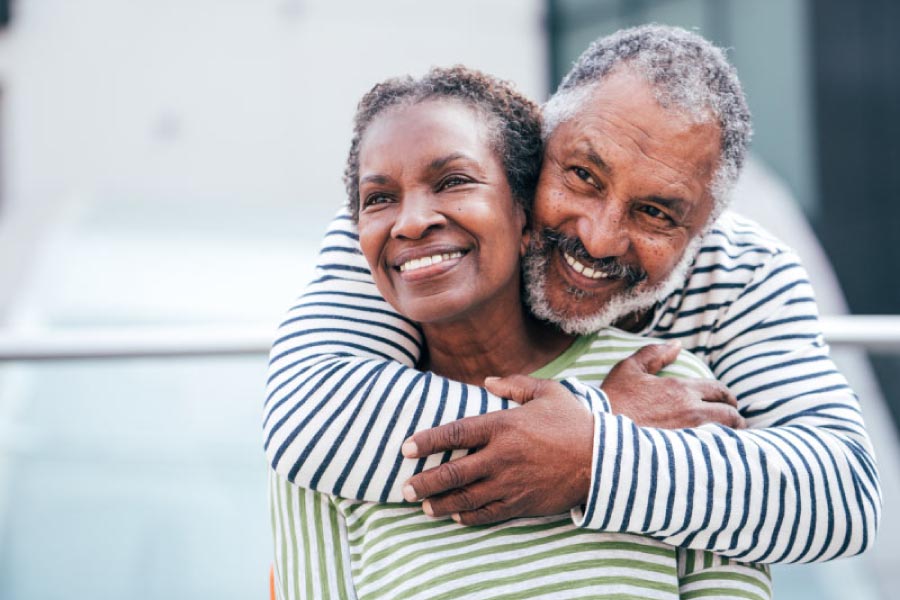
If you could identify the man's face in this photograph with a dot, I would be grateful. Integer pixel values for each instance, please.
(623, 193)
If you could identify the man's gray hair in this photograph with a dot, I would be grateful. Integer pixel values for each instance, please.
(685, 70)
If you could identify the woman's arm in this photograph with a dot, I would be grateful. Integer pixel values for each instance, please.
(312, 554)
(702, 574)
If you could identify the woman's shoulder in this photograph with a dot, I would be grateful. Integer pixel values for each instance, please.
(618, 344)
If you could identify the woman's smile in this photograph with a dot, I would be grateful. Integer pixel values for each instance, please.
(427, 260)
(437, 221)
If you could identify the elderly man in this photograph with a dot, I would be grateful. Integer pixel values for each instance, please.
(644, 140)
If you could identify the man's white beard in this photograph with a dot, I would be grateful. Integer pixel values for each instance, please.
(535, 266)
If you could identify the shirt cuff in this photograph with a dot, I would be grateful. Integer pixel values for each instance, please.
(596, 401)
(581, 514)
(593, 398)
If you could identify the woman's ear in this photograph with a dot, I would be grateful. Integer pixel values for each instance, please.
(526, 231)
(526, 240)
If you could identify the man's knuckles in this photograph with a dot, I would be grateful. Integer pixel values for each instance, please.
(491, 513)
(453, 434)
(449, 476)
(461, 500)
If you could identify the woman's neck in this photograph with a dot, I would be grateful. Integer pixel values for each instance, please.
(499, 342)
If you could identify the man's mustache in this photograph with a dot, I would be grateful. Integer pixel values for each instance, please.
(550, 239)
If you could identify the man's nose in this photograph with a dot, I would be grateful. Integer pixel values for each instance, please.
(604, 231)
(417, 215)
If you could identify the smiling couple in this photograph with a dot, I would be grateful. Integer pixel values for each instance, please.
(751, 448)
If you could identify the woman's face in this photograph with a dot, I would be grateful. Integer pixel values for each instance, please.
(437, 221)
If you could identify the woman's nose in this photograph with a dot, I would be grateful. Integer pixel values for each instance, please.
(417, 215)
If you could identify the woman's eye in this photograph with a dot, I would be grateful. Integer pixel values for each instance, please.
(453, 181)
(375, 199)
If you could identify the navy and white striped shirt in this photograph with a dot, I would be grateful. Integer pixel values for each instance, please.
(800, 486)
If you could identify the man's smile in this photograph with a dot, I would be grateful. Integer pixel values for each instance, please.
(580, 275)
(578, 267)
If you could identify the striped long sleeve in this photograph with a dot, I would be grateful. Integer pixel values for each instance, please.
(342, 397)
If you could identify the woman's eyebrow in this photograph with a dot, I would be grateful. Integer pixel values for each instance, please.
(439, 163)
(376, 179)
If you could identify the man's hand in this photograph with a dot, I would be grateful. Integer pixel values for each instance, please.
(534, 460)
(634, 390)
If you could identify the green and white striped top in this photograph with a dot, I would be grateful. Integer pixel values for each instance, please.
(329, 547)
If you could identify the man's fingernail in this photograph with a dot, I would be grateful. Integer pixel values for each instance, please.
(409, 493)
(673, 344)
(409, 449)
(490, 379)
(426, 508)
(455, 517)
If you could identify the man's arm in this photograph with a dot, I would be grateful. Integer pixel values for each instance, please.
(335, 422)
(804, 471)
(340, 354)
(341, 394)
(803, 488)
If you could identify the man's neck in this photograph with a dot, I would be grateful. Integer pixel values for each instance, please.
(636, 321)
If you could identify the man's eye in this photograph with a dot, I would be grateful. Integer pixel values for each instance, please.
(654, 212)
(585, 176)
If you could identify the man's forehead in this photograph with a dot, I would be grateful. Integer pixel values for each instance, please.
(646, 157)
(626, 92)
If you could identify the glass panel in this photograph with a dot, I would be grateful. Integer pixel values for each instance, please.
(133, 479)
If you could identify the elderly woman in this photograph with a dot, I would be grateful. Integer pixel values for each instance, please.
(440, 175)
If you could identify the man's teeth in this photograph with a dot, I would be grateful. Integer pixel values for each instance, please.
(427, 261)
(580, 268)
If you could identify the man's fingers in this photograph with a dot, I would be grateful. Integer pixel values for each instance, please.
(443, 478)
(490, 513)
(471, 432)
(719, 412)
(519, 388)
(462, 500)
(712, 391)
(653, 357)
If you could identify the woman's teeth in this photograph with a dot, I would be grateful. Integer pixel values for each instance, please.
(427, 261)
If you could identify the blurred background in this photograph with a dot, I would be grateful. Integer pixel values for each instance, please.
(168, 167)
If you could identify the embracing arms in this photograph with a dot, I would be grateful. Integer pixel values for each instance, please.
(339, 407)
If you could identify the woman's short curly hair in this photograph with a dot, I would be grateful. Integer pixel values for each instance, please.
(514, 121)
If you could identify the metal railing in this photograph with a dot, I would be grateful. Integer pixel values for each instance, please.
(874, 333)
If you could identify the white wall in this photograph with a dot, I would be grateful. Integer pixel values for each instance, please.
(172, 117)
(242, 101)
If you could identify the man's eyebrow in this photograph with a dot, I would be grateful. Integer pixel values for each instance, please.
(595, 159)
